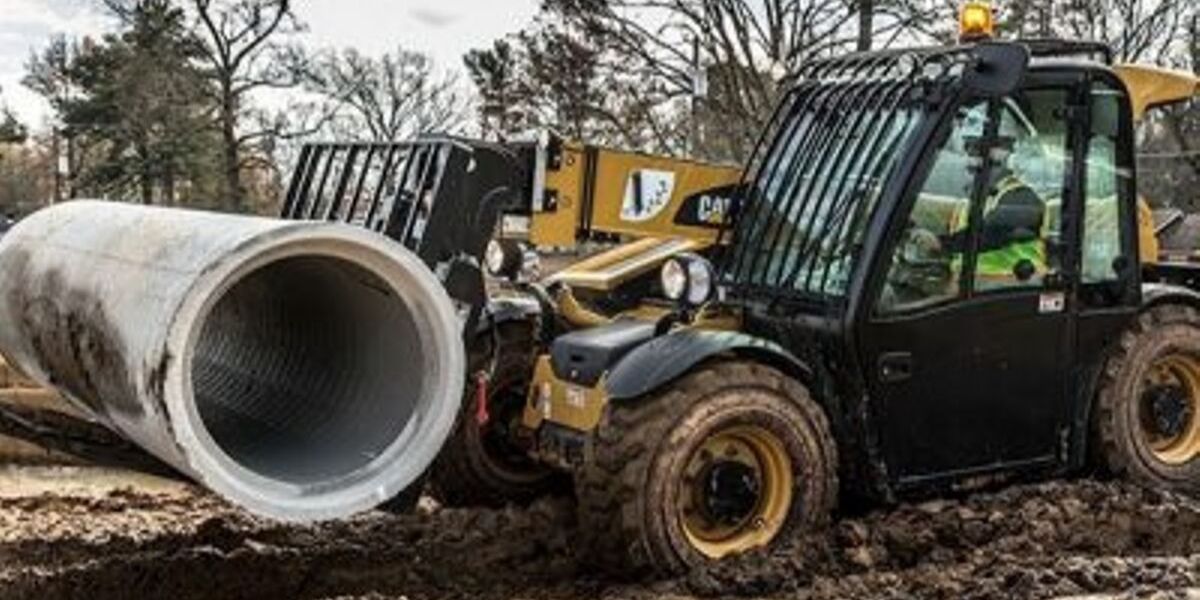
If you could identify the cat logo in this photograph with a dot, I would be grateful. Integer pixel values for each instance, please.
(712, 209)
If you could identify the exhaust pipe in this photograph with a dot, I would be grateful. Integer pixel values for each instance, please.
(304, 371)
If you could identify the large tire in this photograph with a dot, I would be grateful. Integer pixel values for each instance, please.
(1134, 438)
(635, 511)
(478, 466)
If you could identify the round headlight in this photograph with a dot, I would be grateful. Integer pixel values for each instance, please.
(674, 279)
(494, 258)
(700, 281)
(688, 278)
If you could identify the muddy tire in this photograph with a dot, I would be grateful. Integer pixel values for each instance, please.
(478, 466)
(642, 507)
(1146, 424)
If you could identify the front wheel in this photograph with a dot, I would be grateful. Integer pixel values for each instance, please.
(479, 464)
(730, 458)
(1147, 424)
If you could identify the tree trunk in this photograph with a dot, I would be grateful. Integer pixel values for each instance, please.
(231, 158)
(145, 175)
(169, 179)
(866, 24)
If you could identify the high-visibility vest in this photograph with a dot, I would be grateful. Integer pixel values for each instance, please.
(998, 265)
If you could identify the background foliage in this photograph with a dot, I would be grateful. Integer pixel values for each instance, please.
(204, 102)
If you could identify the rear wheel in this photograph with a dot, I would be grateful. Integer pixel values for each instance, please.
(729, 458)
(1148, 412)
(480, 465)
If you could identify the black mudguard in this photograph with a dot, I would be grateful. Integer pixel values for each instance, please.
(1161, 293)
(668, 357)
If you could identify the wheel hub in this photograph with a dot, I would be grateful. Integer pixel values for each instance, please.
(1168, 408)
(731, 492)
(736, 491)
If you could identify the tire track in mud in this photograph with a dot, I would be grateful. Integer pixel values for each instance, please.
(1042, 541)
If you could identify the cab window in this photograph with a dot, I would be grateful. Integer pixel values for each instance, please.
(1019, 240)
(1102, 210)
(1016, 243)
(920, 273)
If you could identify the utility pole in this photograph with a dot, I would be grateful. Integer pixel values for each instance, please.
(699, 92)
(57, 165)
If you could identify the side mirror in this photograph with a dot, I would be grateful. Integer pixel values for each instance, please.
(999, 69)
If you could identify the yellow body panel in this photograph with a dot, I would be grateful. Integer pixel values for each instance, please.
(607, 270)
(1148, 248)
(560, 227)
(1151, 86)
(612, 180)
(608, 176)
(554, 400)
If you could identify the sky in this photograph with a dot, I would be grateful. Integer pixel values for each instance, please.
(445, 29)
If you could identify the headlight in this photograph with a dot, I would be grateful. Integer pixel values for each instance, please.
(700, 281)
(509, 259)
(688, 278)
(674, 279)
(494, 258)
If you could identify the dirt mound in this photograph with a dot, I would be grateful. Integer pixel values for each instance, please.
(1041, 541)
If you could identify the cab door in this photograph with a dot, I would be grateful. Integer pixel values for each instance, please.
(969, 343)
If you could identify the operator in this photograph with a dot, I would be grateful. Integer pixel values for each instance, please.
(1011, 248)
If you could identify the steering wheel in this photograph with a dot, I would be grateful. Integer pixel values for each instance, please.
(920, 249)
(920, 268)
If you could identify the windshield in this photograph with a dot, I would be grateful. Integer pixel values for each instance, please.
(816, 188)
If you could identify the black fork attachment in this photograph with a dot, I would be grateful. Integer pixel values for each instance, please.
(440, 197)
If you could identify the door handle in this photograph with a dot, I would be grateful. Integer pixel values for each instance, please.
(895, 367)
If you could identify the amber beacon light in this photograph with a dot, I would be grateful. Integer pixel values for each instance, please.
(976, 22)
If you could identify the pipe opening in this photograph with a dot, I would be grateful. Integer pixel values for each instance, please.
(307, 369)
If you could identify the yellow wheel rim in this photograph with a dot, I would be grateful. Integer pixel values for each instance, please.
(736, 491)
(1169, 410)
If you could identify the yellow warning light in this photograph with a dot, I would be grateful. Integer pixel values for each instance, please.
(976, 22)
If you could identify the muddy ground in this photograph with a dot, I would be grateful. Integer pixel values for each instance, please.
(85, 532)
(129, 529)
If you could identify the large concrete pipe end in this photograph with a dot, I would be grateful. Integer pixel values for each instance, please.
(305, 371)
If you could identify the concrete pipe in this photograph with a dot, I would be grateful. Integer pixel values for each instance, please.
(305, 371)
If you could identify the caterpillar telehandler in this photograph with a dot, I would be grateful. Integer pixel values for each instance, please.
(935, 275)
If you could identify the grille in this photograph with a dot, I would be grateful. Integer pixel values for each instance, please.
(826, 159)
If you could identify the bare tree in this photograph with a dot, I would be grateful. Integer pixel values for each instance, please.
(558, 76)
(726, 58)
(236, 38)
(1138, 30)
(496, 73)
(391, 97)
